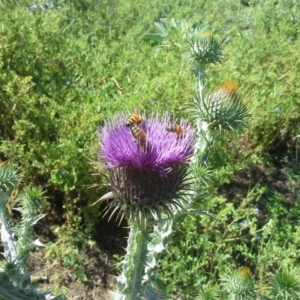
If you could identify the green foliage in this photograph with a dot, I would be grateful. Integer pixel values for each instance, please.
(246, 231)
(260, 57)
(207, 293)
(64, 68)
(44, 127)
(262, 54)
(68, 249)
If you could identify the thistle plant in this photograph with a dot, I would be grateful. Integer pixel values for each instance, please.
(16, 239)
(286, 284)
(208, 293)
(146, 183)
(215, 114)
(203, 49)
(156, 168)
(239, 285)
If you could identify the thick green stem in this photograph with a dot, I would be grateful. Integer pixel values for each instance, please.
(140, 245)
(130, 282)
(200, 78)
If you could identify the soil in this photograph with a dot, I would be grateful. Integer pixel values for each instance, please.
(98, 260)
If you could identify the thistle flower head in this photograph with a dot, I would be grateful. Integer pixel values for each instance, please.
(145, 172)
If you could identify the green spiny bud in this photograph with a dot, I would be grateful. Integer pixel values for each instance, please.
(286, 284)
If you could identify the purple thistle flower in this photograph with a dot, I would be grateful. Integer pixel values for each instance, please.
(145, 179)
(120, 149)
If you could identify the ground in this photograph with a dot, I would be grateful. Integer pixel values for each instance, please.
(97, 261)
(111, 239)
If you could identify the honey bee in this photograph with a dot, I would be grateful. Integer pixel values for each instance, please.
(179, 130)
(139, 134)
(134, 119)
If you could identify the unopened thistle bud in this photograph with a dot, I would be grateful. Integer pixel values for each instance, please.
(239, 285)
(147, 165)
(221, 110)
(204, 49)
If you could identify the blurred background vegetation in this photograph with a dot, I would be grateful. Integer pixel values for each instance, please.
(66, 66)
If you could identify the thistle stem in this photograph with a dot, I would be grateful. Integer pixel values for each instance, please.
(9, 243)
(10, 249)
(200, 78)
(134, 262)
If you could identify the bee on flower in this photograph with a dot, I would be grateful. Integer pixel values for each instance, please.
(177, 129)
(140, 135)
(134, 119)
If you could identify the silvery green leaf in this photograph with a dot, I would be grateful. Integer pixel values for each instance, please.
(38, 243)
(37, 218)
(156, 247)
(9, 292)
(18, 209)
(51, 297)
(200, 212)
(117, 296)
